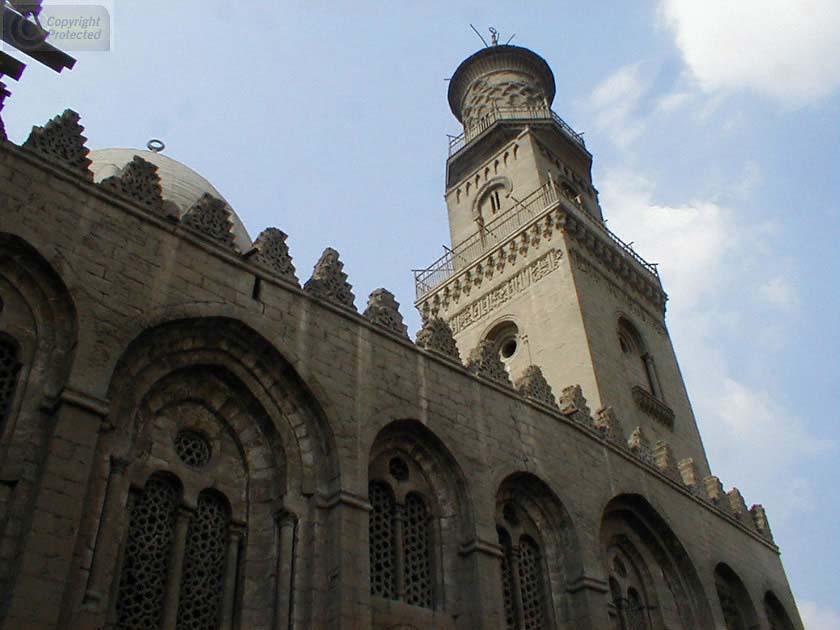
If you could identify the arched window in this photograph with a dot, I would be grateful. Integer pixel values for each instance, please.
(202, 583)
(149, 594)
(776, 615)
(148, 550)
(9, 370)
(638, 361)
(401, 566)
(735, 603)
(628, 604)
(523, 578)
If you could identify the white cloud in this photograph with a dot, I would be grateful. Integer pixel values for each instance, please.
(782, 49)
(616, 101)
(816, 617)
(779, 291)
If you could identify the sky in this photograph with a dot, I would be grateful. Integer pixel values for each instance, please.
(714, 127)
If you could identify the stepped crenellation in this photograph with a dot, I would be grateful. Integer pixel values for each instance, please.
(60, 142)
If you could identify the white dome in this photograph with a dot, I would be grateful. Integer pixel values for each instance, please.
(179, 183)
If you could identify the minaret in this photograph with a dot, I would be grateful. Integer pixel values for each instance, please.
(533, 266)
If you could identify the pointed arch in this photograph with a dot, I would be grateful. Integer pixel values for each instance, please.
(640, 551)
(540, 553)
(777, 616)
(738, 610)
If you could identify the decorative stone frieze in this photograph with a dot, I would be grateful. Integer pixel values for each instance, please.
(212, 217)
(484, 361)
(639, 445)
(436, 336)
(573, 403)
(383, 310)
(329, 282)
(654, 407)
(270, 251)
(532, 384)
(608, 424)
(138, 181)
(663, 457)
(61, 141)
(759, 518)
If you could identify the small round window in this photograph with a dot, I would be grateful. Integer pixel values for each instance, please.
(507, 339)
(193, 448)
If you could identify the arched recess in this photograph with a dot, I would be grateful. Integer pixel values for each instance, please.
(653, 583)
(491, 199)
(738, 610)
(408, 462)
(639, 363)
(541, 554)
(38, 319)
(777, 616)
(212, 403)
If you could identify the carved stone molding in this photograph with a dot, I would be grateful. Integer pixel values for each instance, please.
(573, 403)
(329, 282)
(532, 384)
(212, 217)
(607, 422)
(138, 181)
(270, 251)
(384, 310)
(436, 336)
(654, 407)
(61, 141)
(484, 361)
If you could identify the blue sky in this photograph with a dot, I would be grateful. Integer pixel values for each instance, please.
(715, 132)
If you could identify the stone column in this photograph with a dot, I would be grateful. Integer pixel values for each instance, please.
(176, 568)
(103, 558)
(485, 607)
(516, 586)
(235, 536)
(399, 550)
(48, 544)
(286, 523)
(650, 368)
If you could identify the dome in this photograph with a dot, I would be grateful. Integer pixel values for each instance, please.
(179, 183)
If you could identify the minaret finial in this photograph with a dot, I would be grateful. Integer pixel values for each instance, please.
(494, 37)
(155, 146)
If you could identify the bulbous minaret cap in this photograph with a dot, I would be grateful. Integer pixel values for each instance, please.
(499, 77)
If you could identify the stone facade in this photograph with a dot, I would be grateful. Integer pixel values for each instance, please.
(189, 439)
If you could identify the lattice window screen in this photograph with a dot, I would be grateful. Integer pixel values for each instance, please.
(9, 368)
(202, 583)
(531, 585)
(416, 545)
(507, 580)
(382, 560)
(150, 534)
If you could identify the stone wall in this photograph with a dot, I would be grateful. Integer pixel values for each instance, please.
(134, 325)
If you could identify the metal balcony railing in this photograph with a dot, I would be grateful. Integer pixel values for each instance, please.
(511, 114)
(486, 239)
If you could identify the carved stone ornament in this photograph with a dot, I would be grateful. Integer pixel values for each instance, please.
(532, 384)
(329, 282)
(138, 181)
(211, 216)
(663, 457)
(607, 422)
(639, 445)
(61, 141)
(436, 336)
(573, 403)
(762, 525)
(484, 361)
(270, 251)
(383, 310)
(654, 407)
